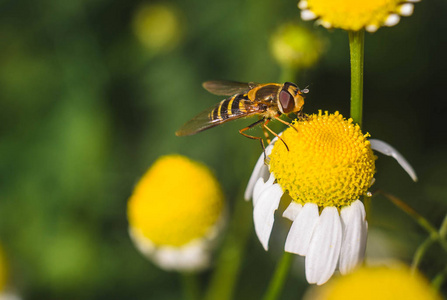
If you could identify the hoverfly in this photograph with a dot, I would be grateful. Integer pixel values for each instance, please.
(267, 100)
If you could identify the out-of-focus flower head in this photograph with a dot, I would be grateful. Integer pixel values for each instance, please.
(328, 166)
(158, 27)
(378, 282)
(295, 46)
(355, 15)
(175, 213)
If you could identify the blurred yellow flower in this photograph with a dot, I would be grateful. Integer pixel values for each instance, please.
(372, 283)
(157, 26)
(294, 46)
(355, 15)
(176, 212)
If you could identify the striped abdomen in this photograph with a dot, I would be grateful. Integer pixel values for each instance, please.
(233, 107)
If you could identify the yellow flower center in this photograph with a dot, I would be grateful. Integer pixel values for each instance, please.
(176, 201)
(379, 283)
(329, 162)
(353, 14)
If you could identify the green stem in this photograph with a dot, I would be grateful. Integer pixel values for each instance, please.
(191, 289)
(439, 279)
(223, 281)
(279, 278)
(423, 248)
(420, 253)
(356, 47)
(289, 74)
(424, 223)
(443, 228)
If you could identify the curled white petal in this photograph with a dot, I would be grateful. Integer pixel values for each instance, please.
(406, 9)
(260, 170)
(261, 186)
(302, 228)
(264, 213)
(371, 28)
(308, 15)
(324, 248)
(193, 256)
(302, 4)
(355, 231)
(325, 24)
(387, 149)
(292, 211)
(392, 20)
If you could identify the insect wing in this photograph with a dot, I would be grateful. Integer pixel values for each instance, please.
(199, 123)
(218, 114)
(228, 88)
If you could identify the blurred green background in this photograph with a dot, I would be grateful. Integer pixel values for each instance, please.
(86, 107)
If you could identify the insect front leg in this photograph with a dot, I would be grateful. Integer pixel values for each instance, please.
(285, 122)
(254, 137)
(274, 133)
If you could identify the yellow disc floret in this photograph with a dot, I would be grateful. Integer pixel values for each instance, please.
(176, 201)
(329, 162)
(379, 283)
(353, 14)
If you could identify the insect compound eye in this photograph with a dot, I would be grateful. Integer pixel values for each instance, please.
(286, 100)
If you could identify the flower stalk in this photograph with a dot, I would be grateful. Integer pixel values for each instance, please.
(191, 288)
(423, 222)
(279, 278)
(356, 47)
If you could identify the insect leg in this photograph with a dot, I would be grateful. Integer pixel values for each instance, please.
(274, 133)
(285, 122)
(254, 137)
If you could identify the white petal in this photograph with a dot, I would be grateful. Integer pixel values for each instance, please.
(302, 4)
(371, 28)
(324, 248)
(292, 211)
(387, 149)
(414, 1)
(326, 24)
(191, 257)
(258, 173)
(355, 231)
(302, 228)
(307, 15)
(406, 9)
(260, 170)
(392, 20)
(264, 211)
(260, 187)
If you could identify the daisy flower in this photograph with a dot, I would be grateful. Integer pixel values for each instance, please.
(330, 165)
(355, 15)
(376, 282)
(175, 214)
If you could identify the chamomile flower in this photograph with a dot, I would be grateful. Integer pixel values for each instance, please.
(377, 282)
(355, 15)
(175, 214)
(330, 165)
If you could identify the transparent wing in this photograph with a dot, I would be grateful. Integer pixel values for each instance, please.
(210, 118)
(228, 88)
